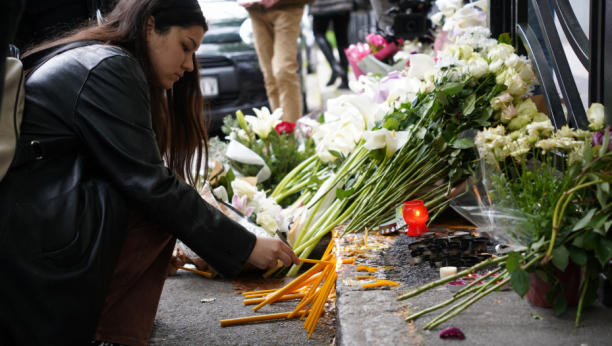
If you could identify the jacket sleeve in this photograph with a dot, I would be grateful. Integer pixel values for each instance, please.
(112, 117)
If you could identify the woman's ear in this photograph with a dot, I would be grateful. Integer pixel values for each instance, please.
(150, 27)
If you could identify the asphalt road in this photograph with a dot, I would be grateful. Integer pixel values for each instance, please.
(183, 320)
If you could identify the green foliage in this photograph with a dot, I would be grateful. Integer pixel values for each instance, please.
(520, 282)
(280, 152)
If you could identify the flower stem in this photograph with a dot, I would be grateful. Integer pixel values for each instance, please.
(581, 302)
(453, 277)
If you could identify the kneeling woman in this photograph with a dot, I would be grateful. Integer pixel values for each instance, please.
(87, 231)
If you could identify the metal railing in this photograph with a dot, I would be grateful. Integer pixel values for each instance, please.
(511, 16)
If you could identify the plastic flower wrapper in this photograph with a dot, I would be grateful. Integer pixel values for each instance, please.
(491, 210)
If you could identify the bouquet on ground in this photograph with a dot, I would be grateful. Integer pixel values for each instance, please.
(403, 137)
(558, 217)
(280, 146)
(250, 206)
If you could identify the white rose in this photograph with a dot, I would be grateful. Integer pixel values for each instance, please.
(242, 188)
(595, 114)
(496, 65)
(267, 222)
(527, 107)
(465, 52)
(478, 67)
(508, 113)
(501, 101)
(516, 85)
(527, 73)
(500, 51)
(519, 122)
(514, 62)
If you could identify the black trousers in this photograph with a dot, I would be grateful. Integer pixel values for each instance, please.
(340, 23)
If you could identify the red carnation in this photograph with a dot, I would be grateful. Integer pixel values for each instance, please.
(285, 126)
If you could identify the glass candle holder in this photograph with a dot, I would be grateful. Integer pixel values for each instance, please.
(415, 215)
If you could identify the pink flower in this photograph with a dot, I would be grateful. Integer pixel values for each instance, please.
(240, 203)
(376, 40)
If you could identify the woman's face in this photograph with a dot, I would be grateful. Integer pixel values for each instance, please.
(172, 52)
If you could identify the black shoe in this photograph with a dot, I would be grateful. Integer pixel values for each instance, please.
(326, 49)
(337, 71)
(344, 84)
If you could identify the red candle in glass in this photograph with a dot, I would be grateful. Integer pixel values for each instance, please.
(415, 215)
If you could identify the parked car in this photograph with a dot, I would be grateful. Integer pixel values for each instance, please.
(230, 75)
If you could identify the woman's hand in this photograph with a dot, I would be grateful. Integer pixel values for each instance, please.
(268, 251)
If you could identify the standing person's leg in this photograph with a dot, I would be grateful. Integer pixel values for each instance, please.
(341, 25)
(136, 286)
(263, 35)
(285, 62)
(319, 27)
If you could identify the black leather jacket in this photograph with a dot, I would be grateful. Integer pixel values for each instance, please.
(63, 218)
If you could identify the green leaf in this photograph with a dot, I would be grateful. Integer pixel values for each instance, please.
(607, 226)
(560, 304)
(542, 274)
(335, 153)
(441, 97)
(520, 282)
(598, 221)
(513, 262)
(438, 142)
(537, 245)
(451, 88)
(550, 296)
(560, 257)
(590, 240)
(462, 143)
(420, 133)
(602, 197)
(455, 152)
(536, 317)
(391, 124)
(578, 255)
(421, 152)
(607, 177)
(341, 194)
(585, 220)
(603, 251)
(504, 38)
(230, 175)
(469, 105)
(483, 118)
(579, 241)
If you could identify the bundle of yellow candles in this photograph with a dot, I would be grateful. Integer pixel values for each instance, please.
(314, 288)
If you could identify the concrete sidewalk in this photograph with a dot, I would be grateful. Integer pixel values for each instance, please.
(375, 317)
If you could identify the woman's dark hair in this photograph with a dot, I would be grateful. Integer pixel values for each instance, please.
(177, 116)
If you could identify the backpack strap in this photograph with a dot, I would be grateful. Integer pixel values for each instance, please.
(39, 149)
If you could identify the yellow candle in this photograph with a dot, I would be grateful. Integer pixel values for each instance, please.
(447, 271)
(255, 318)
